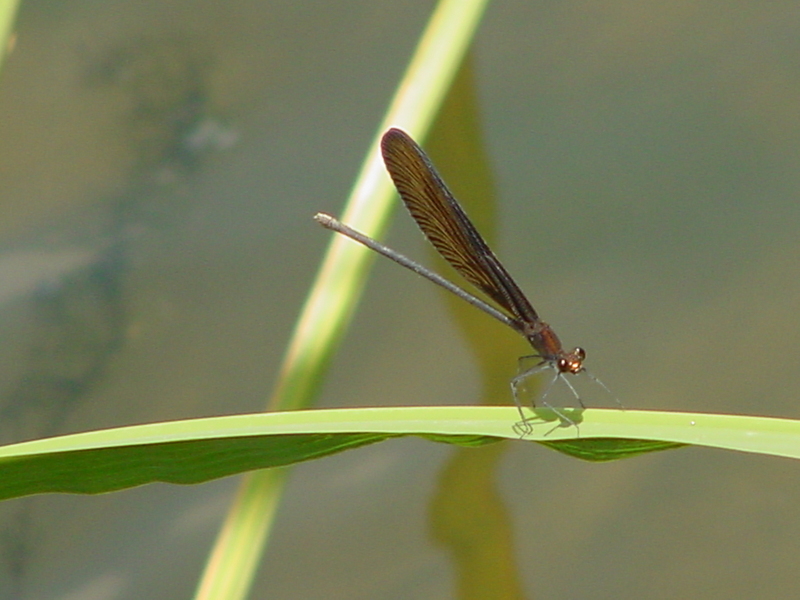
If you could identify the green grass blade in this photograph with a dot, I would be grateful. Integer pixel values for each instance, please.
(198, 450)
(331, 302)
(8, 13)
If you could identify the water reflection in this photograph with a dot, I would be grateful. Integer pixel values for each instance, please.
(64, 305)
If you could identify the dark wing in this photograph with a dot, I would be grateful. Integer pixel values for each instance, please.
(441, 218)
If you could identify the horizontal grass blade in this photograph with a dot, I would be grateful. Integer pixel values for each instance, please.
(198, 450)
